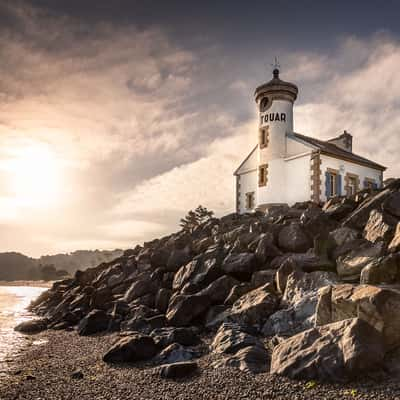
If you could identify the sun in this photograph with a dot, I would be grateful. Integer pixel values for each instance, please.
(35, 176)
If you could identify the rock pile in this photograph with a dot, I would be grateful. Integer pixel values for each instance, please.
(303, 291)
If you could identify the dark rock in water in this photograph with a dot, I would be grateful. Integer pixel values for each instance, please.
(334, 352)
(240, 266)
(32, 326)
(230, 338)
(187, 308)
(96, 321)
(292, 238)
(178, 370)
(164, 337)
(132, 348)
(77, 374)
(254, 359)
(175, 353)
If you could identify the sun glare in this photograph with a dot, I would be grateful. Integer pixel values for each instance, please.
(35, 176)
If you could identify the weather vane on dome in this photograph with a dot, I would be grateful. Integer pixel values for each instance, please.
(276, 64)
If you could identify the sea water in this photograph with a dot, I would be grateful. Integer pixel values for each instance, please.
(14, 301)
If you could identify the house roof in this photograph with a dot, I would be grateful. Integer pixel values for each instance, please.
(241, 165)
(332, 150)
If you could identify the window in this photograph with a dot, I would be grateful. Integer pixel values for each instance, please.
(370, 184)
(352, 186)
(264, 133)
(250, 200)
(333, 183)
(262, 175)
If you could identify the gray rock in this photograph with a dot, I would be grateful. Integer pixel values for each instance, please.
(252, 359)
(292, 238)
(184, 309)
(344, 234)
(349, 267)
(140, 288)
(255, 307)
(334, 352)
(395, 243)
(94, 322)
(238, 291)
(241, 265)
(164, 337)
(178, 370)
(162, 299)
(382, 270)
(219, 290)
(260, 278)
(32, 326)
(131, 348)
(380, 226)
(230, 338)
(391, 204)
(175, 353)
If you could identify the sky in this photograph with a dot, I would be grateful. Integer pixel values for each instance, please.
(117, 117)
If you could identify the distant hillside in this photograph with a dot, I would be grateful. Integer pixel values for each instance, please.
(17, 266)
(80, 259)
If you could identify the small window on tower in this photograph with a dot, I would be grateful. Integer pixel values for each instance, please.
(264, 104)
(264, 133)
(262, 175)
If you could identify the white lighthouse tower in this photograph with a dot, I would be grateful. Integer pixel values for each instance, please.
(275, 103)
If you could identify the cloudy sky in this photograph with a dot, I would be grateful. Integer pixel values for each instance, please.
(116, 117)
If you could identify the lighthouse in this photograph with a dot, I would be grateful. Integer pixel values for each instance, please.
(274, 101)
(285, 167)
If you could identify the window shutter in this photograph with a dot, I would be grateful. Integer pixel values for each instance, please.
(339, 184)
(327, 185)
(375, 186)
(365, 184)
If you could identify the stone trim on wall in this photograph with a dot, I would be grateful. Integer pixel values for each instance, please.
(238, 193)
(262, 144)
(316, 177)
(347, 181)
(263, 182)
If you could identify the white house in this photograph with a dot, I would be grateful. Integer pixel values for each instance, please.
(287, 167)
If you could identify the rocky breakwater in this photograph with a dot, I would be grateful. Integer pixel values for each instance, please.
(306, 291)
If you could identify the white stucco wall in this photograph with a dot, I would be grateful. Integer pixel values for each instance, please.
(346, 167)
(298, 179)
(248, 182)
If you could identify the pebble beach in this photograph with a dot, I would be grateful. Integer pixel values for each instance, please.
(48, 371)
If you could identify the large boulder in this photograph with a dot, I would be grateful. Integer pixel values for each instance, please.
(255, 307)
(349, 266)
(32, 326)
(140, 288)
(334, 352)
(184, 309)
(380, 226)
(131, 348)
(254, 359)
(219, 290)
(94, 322)
(238, 291)
(230, 338)
(240, 266)
(178, 370)
(359, 217)
(391, 204)
(175, 353)
(266, 248)
(395, 243)
(292, 238)
(339, 208)
(382, 270)
(300, 298)
(166, 336)
(343, 235)
(380, 307)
